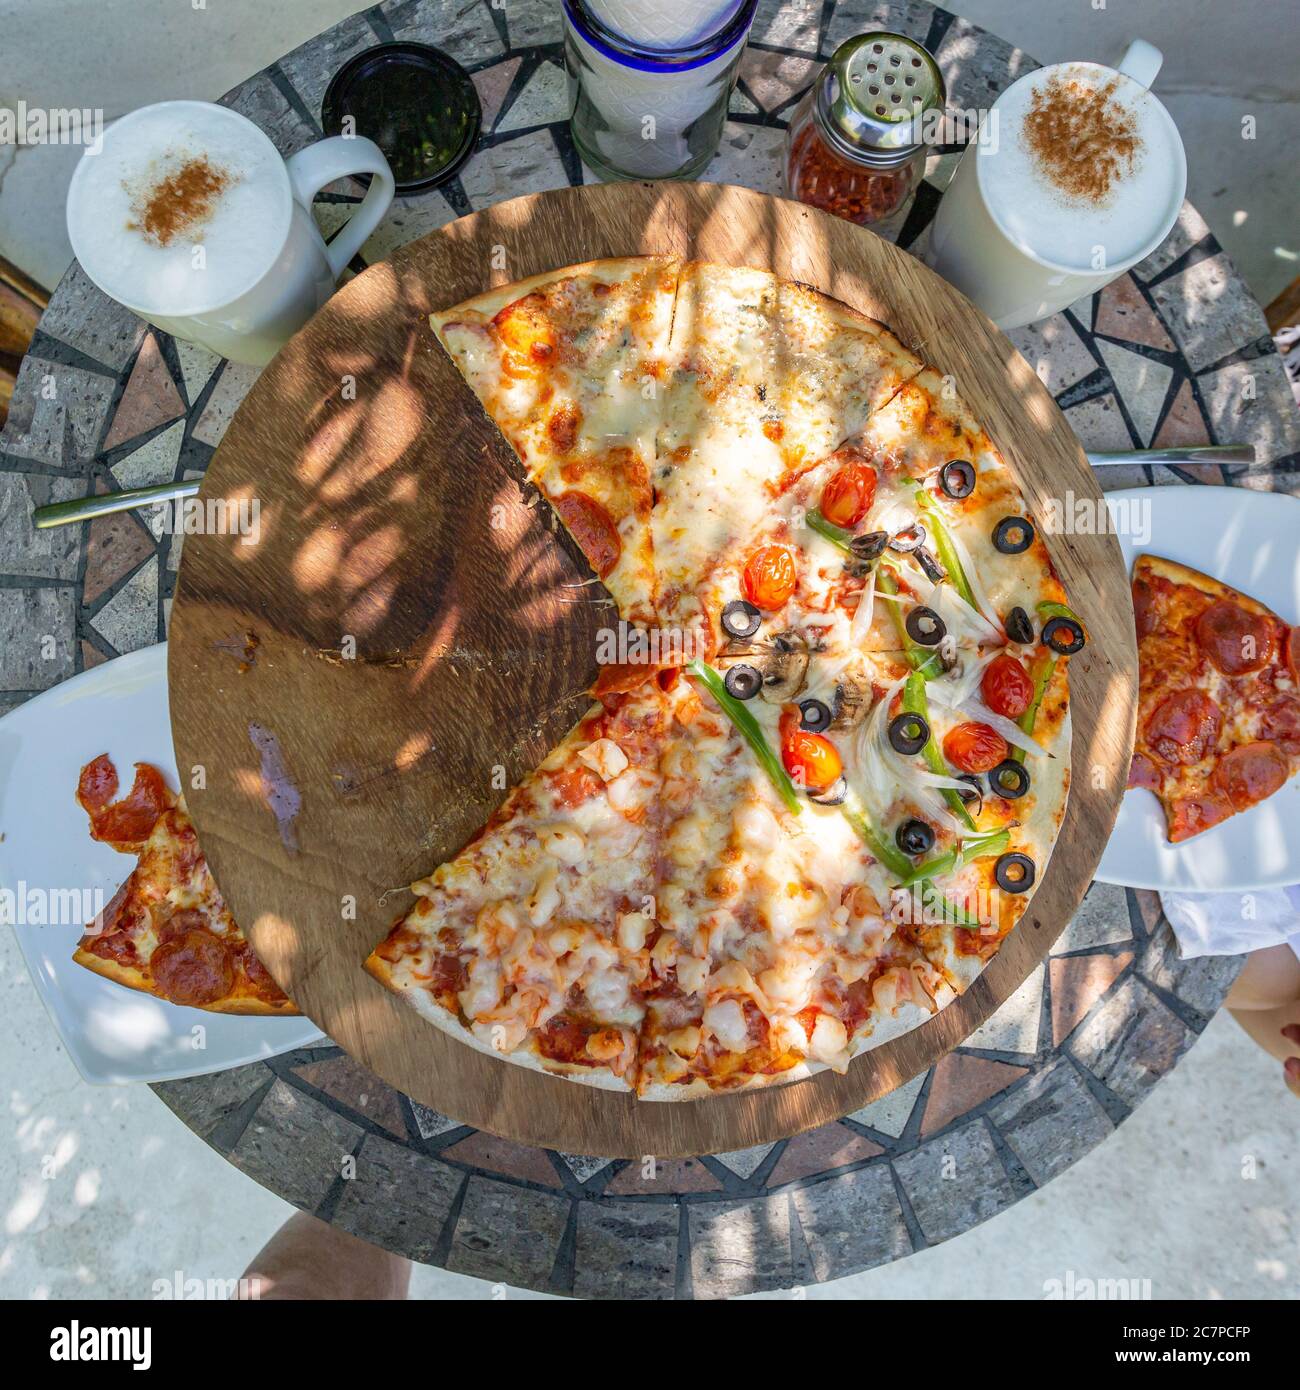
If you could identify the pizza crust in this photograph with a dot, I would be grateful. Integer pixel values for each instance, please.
(1160, 568)
(133, 978)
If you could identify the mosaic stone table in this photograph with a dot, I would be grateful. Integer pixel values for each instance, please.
(1176, 352)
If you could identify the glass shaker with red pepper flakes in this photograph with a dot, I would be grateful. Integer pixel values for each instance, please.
(855, 144)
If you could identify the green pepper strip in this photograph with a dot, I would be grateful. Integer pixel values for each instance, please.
(982, 848)
(893, 859)
(947, 552)
(744, 721)
(914, 702)
(954, 914)
(1044, 678)
(837, 535)
(922, 660)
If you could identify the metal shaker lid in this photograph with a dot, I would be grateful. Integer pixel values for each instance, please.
(873, 95)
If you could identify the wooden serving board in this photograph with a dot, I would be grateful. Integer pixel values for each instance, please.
(423, 635)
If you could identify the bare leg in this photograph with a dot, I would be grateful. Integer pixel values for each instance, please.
(307, 1259)
(1265, 1001)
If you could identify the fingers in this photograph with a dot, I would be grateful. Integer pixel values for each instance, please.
(1291, 1072)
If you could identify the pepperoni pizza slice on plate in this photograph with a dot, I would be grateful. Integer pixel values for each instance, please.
(1219, 700)
(167, 931)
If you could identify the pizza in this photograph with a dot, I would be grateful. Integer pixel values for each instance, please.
(167, 931)
(1218, 697)
(806, 821)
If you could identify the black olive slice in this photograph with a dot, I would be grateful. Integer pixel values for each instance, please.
(929, 562)
(1014, 873)
(907, 540)
(814, 715)
(870, 546)
(1019, 626)
(908, 733)
(741, 619)
(973, 792)
(925, 627)
(1009, 779)
(743, 681)
(957, 478)
(833, 795)
(1063, 635)
(914, 837)
(1013, 535)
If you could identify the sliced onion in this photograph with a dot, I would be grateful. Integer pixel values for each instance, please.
(861, 623)
(987, 610)
(1008, 728)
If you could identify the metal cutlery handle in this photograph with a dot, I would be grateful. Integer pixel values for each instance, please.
(87, 508)
(1179, 453)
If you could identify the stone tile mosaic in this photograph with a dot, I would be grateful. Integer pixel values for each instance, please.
(852, 1222)
(397, 1199)
(787, 24)
(1051, 1121)
(625, 1250)
(1077, 983)
(153, 462)
(296, 1145)
(955, 1181)
(543, 100)
(1131, 1042)
(649, 1228)
(820, 1151)
(889, 1115)
(1015, 1026)
(149, 400)
(462, 27)
(507, 1233)
(740, 1247)
(960, 1082)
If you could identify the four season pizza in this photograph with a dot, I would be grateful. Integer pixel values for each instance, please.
(809, 821)
(1218, 696)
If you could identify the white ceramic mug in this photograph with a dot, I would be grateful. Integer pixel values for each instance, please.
(979, 242)
(243, 282)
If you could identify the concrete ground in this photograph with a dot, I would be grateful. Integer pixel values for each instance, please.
(104, 1191)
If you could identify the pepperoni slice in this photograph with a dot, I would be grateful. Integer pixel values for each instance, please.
(1184, 726)
(97, 785)
(1189, 815)
(1143, 773)
(1234, 640)
(591, 525)
(575, 785)
(1293, 653)
(194, 967)
(1280, 722)
(1250, 773)
(128, 822)
(180, 922)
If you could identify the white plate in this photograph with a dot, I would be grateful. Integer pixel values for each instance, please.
(1250, 540)
(113, 1034)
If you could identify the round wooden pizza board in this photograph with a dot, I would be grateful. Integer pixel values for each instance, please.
(355, 686)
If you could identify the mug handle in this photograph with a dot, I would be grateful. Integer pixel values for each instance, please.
(336, 157)
(1141, 62)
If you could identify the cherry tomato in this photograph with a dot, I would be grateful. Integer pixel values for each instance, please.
(848, 496)
(769, 577)
(974, 748)
(810, 759)
(1007, 689)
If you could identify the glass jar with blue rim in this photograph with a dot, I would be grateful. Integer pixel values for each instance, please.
(649, 83)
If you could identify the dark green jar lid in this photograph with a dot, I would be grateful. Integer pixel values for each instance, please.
(415, 102)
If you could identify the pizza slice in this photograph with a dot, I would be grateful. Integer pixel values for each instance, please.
(534, 941)
(1218, 725)
(569, 367)
(764, 377)
(167, 931)
(773, 958)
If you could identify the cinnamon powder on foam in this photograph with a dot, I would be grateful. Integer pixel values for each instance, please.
(180, 203)
(1082, 138)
